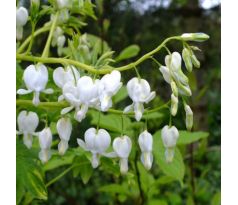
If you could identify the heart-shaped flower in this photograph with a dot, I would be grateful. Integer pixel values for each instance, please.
(45, 140)
(35, 78)
(97, 142)
(122, 147)
(169, 136)
(27, 124)
(21, 19)
(145, 141)
(108, 86)
(64, 128)
(80, 97)
(139, 91)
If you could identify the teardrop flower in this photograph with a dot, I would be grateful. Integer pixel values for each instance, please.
(169, 137)
(35, 78)
(27, 124)
(21, 20)
(45, 140)
(64, 128)
(145, 141)
(62, 76)
(80, 96)
(122, 147)
(108, 86)
(97, 142)
(139, 91)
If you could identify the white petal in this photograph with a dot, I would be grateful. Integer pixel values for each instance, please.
(21, 16)
(44, 155)
(176, 61)
(60, 98)
(95, 160)
(36, 98)
(23, 91)
(48, 91)
(66, 110)
(169, 136)
(82, 144)
(110, 154)
(81, 114)
(128, 108)
(102, 141)
(123, 165)
(122, 146)
(89, 138)
(64, 128)
(61, 76)
(145, 141)
(147, 160)
(45, 138)
(27, 140)
(169, 154)
(62, 147)
(138, 109)
(166, 74)
(150, 97)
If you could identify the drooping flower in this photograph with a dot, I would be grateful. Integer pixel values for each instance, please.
(62, 76)
(108, 86)
(45, 140)
(64, 128)
(27, 124)
(97, 142)
(21, 19)
(189, 117)
(81, 96)
(35, 78)
(122, 146)
(169, 137)
(145, 141)
(139, 91)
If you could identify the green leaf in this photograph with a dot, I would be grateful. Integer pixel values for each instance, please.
(128, 52)
(121, 95)
(174, 169)
(29, 175)
(186, 137)
(216, 199)
(157, 202)
(114, 188)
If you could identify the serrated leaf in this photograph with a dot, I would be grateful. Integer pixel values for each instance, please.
(186, 137)
(174, 169)
(29, 175)
(128, 52)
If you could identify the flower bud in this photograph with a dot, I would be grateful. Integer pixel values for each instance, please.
(195, 61)
(174, 88)
(199, 37)
(166, 74)
(174, 105)
(21, 16)
(146, 144)
(122, 147)
(189, 117)
(175, 61)
(187, 59)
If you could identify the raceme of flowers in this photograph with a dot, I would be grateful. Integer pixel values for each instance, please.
(83, 92)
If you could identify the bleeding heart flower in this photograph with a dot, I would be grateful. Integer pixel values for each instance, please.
(109, 86)
(122, 147)
(139, 92)
(145, 141)
(21, 19)
(27, 124)
(64, 128)
(169, 137)
(35, 78)
(45, 140)
(97, 142)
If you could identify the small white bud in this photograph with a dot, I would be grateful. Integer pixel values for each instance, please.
(187, 59)
(189, 117)
(174, 105)
(199, 37)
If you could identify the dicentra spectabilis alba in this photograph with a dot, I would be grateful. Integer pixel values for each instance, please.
(80, 96)
(27, 124)
(139, 91)
(97, 142)
(62, 76)
(189, 117)
(45, 140)
(21, 19)
(35, 78)
(108, 86)
(64, 128)
(169, 137)
(122, 147)
(145, 141)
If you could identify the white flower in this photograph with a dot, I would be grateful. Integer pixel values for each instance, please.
(35, 78)
(64, 128)
(21, 19)
(169, 137)
(122, 147)
(62, 76)
(45, 140)
(58, 37)
(146, 145)
(27, 124)
(80, 97)
(96, 142)
(63, 3)
(139, 92)
(189, 117)
(174, 105)
(109, 86)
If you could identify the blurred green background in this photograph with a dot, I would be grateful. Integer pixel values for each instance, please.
(147, 23)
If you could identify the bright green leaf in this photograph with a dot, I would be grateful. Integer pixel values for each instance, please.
(186, 137)
(128, 52)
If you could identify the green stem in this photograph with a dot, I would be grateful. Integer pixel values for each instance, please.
(28, 40)
(33, 26)
(57, 105)
(92, 69)
(48, 42)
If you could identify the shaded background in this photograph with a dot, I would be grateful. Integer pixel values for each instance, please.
(147, 23)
